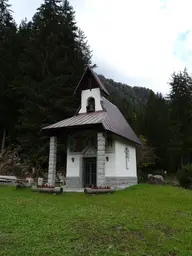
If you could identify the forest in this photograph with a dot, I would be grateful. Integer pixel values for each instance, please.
(41, 62)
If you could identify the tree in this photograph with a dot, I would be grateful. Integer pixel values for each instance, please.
(156, 127)
(180, 117)
(145, 159)
(8, 70)
(145, 154)
(53, 61)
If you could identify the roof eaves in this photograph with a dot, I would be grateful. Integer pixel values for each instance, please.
(81, 80)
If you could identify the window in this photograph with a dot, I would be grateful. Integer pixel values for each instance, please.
(109, 142)
(91, 104)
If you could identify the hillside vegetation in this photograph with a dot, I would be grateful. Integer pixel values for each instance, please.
(49, 56)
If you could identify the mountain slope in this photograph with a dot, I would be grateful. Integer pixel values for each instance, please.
(130, 100)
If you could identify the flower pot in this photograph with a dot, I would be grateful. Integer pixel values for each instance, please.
(99, 190)
(56, 190)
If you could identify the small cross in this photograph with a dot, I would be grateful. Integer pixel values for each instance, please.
(127, 157)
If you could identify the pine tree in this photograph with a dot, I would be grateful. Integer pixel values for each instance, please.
(156, 126)
(8, 70)
(181, 117)
(55, 56)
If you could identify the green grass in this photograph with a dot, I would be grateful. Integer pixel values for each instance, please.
(142, 220)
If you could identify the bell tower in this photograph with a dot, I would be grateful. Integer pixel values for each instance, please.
(92, 91)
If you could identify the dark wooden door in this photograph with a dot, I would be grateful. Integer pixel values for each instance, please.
(90, 172)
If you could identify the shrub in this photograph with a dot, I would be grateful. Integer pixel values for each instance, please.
(142, 177)
(184, 176)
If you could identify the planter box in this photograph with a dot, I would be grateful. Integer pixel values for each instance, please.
(99, 190)
(56, 190)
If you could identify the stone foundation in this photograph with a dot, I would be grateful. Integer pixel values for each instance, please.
(121, 182)
(115, 182)
(73, 182)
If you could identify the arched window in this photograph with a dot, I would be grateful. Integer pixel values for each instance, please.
(91, 104)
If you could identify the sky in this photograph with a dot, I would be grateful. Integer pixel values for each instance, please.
(137, 42)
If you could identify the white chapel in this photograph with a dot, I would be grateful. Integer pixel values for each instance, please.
(101, 146)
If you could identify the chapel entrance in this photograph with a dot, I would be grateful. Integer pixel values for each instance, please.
(90, 171)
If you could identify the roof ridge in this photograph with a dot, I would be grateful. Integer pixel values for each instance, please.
(99, 81)
(100, 84)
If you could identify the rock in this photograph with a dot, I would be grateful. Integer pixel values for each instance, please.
(156, 179)
(118, 228)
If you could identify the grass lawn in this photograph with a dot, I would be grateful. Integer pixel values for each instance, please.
(142, 220)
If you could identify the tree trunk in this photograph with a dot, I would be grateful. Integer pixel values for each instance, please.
(3, 140)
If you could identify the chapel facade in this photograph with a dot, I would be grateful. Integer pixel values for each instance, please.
(101, 145)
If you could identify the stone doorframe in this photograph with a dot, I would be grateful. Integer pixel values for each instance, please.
(88, 152)
(100, 154)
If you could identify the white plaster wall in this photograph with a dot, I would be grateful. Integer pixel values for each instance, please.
(132, 161)
(120, 160)
(85, 94)
(73, 168)
(110, 165)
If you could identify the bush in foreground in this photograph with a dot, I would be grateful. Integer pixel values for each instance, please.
(184, 176)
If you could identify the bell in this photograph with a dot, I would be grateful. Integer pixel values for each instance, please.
(91, 107)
